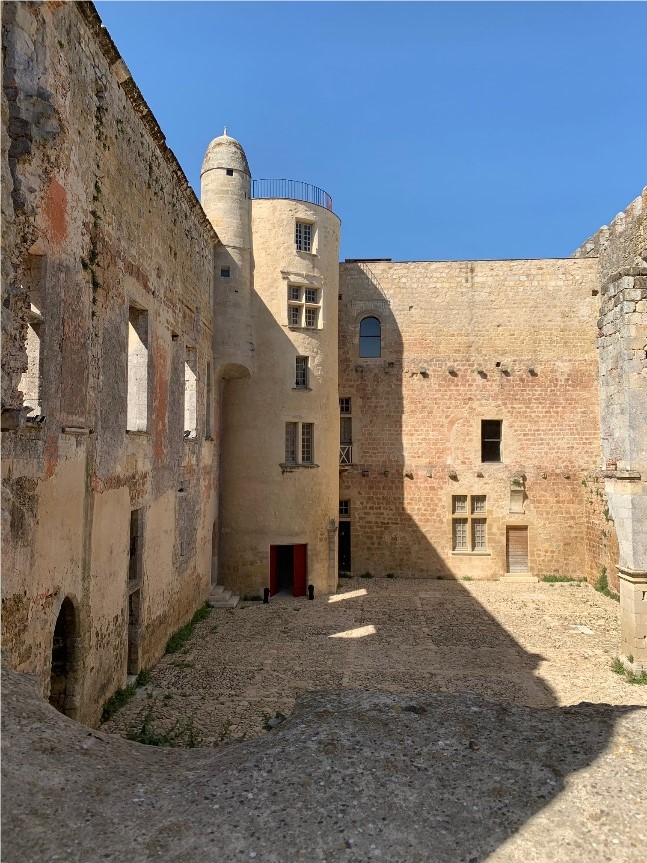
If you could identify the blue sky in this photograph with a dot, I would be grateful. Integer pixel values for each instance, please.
(441, 130)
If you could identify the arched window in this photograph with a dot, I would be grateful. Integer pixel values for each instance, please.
(370, 338)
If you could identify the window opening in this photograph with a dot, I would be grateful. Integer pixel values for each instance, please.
(345, 432)
(344, 509)
(190, 392)
(469, 534)
(137, 411)
(136, 546)
(310, 317)
(225, 272)
(31, 382)
(370, 338)
(301, 377)
(307, 440)
(303, 236)
(311, 295)
(293, 315)
(291, 443)
(230, 172)
(293, 292)
(491, 438)
(208, 420)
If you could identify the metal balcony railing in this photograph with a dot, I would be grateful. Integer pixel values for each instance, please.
(346, 454)
(294, 190)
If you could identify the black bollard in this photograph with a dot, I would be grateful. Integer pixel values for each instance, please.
(266, 595)
(311, 591)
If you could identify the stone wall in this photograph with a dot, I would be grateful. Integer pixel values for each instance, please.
(462, 342)
(622, 349)
(98, 218)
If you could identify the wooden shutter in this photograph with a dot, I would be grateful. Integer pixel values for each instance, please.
(517, 549)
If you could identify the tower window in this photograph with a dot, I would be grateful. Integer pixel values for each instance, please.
(299, 443)
(491, 440)
(230, 172)
(301, 380)
(370, 338)
(303, 306)
(303, 236)
(311, 318)
(307, 442)
(225, 272)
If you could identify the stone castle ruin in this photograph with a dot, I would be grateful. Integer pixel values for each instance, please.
(196, 394)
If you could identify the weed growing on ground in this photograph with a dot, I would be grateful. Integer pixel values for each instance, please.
(390, 575)
(252, 597)
(467, 578)
(179, 638)
(225, 731)
(602, 585)
(366, 574)
(177, 736)
(121, 696)
(182, 664)
(630, 676)
(559, 579)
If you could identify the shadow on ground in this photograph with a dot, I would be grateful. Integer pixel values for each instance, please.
(350, 776)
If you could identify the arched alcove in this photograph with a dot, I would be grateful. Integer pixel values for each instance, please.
(64, 660)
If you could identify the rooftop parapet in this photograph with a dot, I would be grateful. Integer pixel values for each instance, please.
(294, 190)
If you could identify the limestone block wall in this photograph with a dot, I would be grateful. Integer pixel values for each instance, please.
(263, 501)
(622, 350)
(98, 220)
(461, 342)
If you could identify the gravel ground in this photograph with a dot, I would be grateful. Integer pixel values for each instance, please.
(416, 770)
(537, 645)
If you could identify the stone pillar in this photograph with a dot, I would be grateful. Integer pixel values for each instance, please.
(633, 617)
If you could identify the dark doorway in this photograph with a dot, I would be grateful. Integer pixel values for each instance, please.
(134, 632)
(63, 658)
(344, 546)
(288, 569)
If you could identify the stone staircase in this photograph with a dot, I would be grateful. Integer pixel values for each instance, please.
(220, 597)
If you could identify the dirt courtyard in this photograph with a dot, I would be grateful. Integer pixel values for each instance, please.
(535, 645)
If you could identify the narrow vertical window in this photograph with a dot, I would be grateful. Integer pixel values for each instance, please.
(190, 392)
(291, 443)
(136, 546)
(31, 382)
(479, 537)
(137, 412)
(370, 338)
(303, 236)
(293, 315)
(307, 443)
(345, 432)
(491, 440)
(208, 419)
(459, 534)
(301, 381)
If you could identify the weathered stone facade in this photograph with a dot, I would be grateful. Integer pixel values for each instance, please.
(170, 396)
(620, 251)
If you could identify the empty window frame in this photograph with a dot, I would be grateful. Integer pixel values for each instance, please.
(303, 236)
(31, 382)
(301, 373)
(491, 437)
(190, 392)
(345, 432)
(370, 338)
(137, 410)
(469, 533)
(299, 443)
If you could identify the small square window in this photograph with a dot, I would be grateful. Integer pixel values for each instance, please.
(293, 316)
(311, 295)
(311, 318)
(478, 503)
(230, 172)
(344, 406)
(303, 236)
(344, 509)
(225, 272)
(459, 503)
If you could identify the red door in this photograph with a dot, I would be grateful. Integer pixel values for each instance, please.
(274, 581)
(300, 570)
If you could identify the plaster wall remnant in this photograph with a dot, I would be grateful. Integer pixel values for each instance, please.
(171, 380)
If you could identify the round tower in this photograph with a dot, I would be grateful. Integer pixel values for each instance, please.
(226, 199)
(280, 441)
